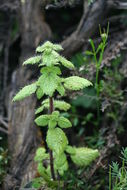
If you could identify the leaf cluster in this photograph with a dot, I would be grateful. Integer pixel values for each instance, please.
(48, 83)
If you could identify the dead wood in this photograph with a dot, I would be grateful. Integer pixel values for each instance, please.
(23, 136)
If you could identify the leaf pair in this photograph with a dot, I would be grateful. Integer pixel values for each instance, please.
(61, 105)
(53, 120)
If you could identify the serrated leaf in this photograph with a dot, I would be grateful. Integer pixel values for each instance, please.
(39, 93)
(76, 83)
(65, 62)
(60, 160)
(58, 104)
(42, 120)
(39, 110)
(57, 47)
(60, 89)
(49, 59)
(48, 83)
(40, 154)
(61, 105)
(32, 60)
(40, 169)
(70, 150)
(52, 123)
(63, 168)
(25, 92)
(51, 69)
(84, 156)
(45, 46)
(64, 122)
(49, 45)
(56, 140)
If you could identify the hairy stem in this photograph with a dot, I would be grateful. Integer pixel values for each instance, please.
(50, 151)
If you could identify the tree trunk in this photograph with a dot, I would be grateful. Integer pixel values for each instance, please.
(24, 137)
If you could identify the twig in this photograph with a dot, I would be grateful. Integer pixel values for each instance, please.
(5, 124)
(3, 130)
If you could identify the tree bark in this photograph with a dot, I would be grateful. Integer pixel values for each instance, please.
(24, 137)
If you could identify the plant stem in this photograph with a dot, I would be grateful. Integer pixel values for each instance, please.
(50, 151)
(97, 86)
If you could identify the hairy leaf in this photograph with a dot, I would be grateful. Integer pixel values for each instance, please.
(84, 156)
(25, 92)
(52, 123)
(32, 60)
(76, 83)
(70, 150)
(49, 59)
(39, 93)
(63, 168)
(39, 110)
(48, 82)
(42, 120)
(60, 89)
(66, 63)
(56, 140)
(40, 154)
(58, 104)
(60, 160)
(64, 122)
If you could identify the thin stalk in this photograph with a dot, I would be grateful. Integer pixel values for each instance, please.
(51, 108)
(97, 87)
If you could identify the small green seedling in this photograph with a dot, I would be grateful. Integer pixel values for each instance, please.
(97, 54)
(49, 84)
(118, 174)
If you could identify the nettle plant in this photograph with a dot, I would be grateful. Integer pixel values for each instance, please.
(49, 84)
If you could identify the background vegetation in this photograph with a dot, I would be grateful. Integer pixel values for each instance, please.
(23, 26)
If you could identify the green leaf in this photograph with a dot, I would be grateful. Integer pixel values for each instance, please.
(60, 89)
(88, 53)
(58, 104)
(25, 92)
(52, 123)
(84, 156)
(39, 110)
(63, 168)
(37, 182)
(39, 93)
(48, 83)
(51, 70)
(57, 47)
(60, 160)
(92, 44)
(56, 140)
(70, 150)
(76, 83)
(99, 47)
(40, 154)
(45, 46)
(53, 119)
(42, 120)
(32, 60)
(64, 122)
(48, 45)
(66, 63)
(49, 59)
(40, 169)
(61, 105)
